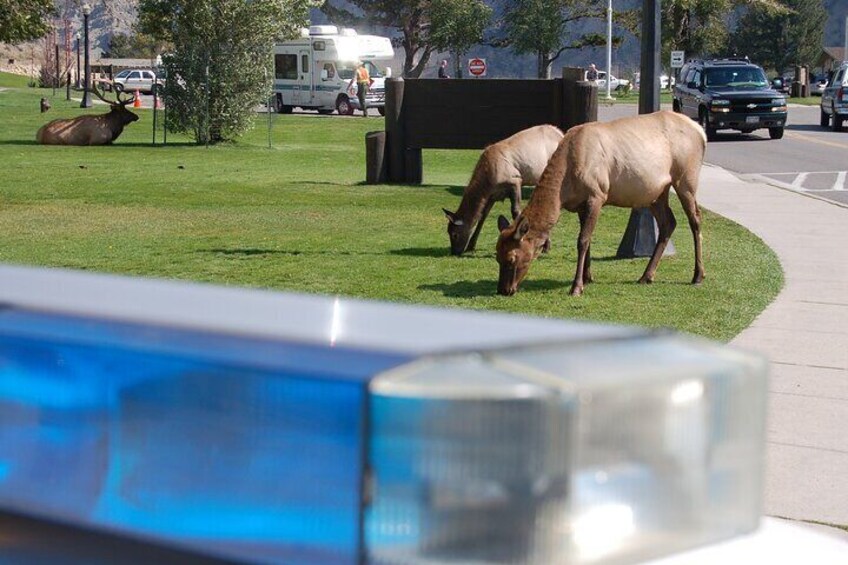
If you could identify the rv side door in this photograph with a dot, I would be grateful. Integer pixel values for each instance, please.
(303, 91)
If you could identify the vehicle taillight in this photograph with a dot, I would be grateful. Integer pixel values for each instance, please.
(840, 94)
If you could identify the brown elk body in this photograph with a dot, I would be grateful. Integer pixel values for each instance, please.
(101, 129)
(503, 168)
(630, 162)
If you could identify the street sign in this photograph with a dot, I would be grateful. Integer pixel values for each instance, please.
(677, 58)
(477, 67)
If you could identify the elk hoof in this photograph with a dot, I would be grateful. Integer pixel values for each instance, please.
(576, 291)
(698, 279)
(645, 280)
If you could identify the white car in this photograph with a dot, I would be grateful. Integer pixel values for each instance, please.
(618, 84)
(130, 80)
(664, 82)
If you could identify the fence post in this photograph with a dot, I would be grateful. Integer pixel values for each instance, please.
(395, 134)
(579, 98)
(375, 157)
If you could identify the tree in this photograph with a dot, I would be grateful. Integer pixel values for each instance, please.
(547, 28)
(778, 41)
(218, 70)
(135, 46)
(700, 27)
(24, 20)
(417, 32)
(458, 25)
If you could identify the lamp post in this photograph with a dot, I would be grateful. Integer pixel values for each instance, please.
(78, 60)
(609, 48)
(86, 98)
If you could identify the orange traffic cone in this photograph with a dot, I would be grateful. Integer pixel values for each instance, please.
(137, 101)
(158, 102)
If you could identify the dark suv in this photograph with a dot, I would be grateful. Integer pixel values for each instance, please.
(729, 94)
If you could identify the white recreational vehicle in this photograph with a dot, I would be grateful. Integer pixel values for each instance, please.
(313, 72)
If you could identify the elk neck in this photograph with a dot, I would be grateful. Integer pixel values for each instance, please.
(545, 205)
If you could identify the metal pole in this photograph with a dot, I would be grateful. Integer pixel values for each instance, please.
(56, 69)
(165, 116)
(155, 104)
(609, 48)
(206, 117)
(270, 100)
(68, 87)
(86, 97)
(78, 61)
(649, 91)
(845, 52)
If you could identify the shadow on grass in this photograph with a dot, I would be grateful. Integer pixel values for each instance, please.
(489, 287)
(422, 252)
(254, 251)
(19, 142)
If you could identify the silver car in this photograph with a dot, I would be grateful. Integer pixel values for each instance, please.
(834, 102)
(130, 80)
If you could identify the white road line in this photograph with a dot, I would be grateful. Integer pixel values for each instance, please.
(840, 181)
(799, 181)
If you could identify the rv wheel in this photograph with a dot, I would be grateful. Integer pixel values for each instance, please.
(344, 107)
(280, 107)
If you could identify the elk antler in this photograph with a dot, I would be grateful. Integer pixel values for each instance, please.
(124, 102)
(97, 93)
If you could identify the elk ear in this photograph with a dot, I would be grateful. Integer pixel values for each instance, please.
(503, 223)
(450, 216)
(522, 228)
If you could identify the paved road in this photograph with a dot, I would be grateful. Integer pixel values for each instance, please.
(808, 159)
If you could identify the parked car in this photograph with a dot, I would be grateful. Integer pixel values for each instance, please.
(782, 84)
(666, 82)
(729, 94)
(834, 102)
(131, 80)
(817, 85)
(617, 84)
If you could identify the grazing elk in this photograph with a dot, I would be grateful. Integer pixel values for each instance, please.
(500, 173)
(101, 129)
(630, 162)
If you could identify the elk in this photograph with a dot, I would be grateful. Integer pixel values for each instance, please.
(500, 173)
(629, 162)
(100, 129)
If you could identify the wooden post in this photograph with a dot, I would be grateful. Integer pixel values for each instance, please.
(395, 134)
(413, 166)
(579, 98)
(375, 157)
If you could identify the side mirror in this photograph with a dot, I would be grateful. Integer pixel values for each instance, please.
(324, 74)
(388, 72)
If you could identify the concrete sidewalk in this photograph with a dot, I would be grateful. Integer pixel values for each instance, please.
(804, 333)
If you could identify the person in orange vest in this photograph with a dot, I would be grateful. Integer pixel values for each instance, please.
(363, 81)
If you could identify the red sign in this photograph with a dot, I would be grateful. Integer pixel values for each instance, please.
(477, 67)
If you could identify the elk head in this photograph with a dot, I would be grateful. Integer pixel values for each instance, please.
(515, 251)
(118, 108)
(459, 233)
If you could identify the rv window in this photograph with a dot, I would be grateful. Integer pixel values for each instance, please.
(304, 63)
(331, 72)
(373, 71)
(318, 45)
(285, 67)
(345, 71)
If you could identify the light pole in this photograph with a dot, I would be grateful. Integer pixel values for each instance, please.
(86, 98)
(78, 59)
(609, 48)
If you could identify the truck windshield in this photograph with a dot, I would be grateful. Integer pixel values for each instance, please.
(735, 77)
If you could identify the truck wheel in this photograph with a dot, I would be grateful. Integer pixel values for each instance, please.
(675, 105)
(775, 133)
(280, 107)
(344, 107)
(382, 110)
(702, 119)
(836, 124)
(824, 120)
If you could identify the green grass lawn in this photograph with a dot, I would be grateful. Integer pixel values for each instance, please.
(297, 217)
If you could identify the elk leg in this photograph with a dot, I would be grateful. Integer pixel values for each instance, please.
(587, 271)
(472, 243)
(515, 198)
(686, 194)
(666, 223)
(588, 218)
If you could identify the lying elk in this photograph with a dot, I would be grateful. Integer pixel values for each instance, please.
(630, 162)
(101, 129)
(500, 172)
